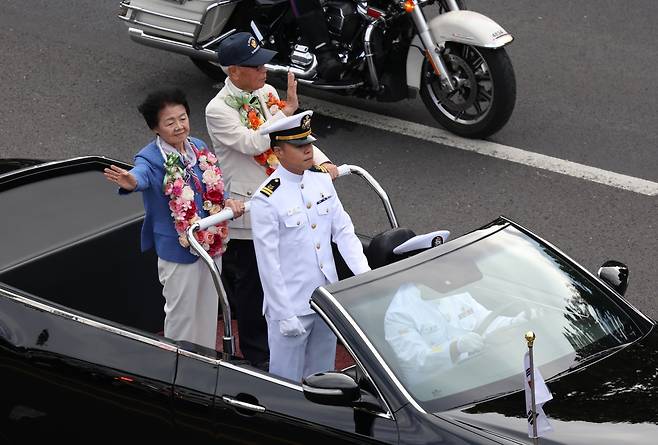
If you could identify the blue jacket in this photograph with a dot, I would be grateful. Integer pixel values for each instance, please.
(158, 229)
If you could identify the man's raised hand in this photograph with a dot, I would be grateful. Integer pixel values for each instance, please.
(292, 103)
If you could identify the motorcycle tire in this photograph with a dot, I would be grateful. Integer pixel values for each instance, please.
(210, 69)
(472, 112)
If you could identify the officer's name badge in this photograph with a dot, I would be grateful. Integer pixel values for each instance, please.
(324, 198)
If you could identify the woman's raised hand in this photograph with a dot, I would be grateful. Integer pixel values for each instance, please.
(123, 178)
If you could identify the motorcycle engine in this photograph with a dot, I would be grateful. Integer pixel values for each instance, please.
(343, 21)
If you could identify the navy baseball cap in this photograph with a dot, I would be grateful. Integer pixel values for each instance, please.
(242, 49)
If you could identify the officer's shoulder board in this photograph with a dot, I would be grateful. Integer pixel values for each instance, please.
(318, 169)
(270, 187)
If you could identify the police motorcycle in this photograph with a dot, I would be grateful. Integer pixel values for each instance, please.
(388, 50)
(387, 247)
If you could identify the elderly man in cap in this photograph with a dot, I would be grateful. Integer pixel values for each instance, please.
(233, 118)
(295, 215)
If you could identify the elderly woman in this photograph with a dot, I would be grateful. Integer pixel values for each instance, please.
(180, 183)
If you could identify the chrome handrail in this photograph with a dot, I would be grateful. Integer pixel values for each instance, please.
(347, 169)
(228, 341)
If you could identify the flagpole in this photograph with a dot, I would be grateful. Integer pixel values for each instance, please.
(530, 338)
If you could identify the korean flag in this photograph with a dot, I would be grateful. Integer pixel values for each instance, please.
(542, 395)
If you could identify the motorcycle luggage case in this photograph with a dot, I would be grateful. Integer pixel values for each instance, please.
(189, 21)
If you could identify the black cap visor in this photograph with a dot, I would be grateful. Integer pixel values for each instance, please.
(299, 142)
(258, 58)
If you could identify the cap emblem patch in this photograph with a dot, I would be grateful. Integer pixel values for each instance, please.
(306, 122)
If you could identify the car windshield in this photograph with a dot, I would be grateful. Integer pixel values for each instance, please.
(452, 328)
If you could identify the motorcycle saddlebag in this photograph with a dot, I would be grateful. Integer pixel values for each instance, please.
(193, 21)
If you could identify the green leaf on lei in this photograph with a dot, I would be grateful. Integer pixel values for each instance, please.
(239, 101)
(173, 169)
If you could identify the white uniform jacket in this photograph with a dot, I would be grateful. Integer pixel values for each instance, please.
(420, 325)
(236, 145)
(293, 222)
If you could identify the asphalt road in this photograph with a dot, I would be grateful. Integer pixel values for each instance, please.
(71, 80)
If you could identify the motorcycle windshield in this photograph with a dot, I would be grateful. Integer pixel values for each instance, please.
(452, 328)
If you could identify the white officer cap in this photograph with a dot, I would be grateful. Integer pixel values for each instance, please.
(425, 241)
(295, 130)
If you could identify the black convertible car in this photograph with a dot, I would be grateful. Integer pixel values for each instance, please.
(81, 358)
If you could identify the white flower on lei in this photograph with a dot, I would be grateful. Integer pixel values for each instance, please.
(188, 193)
(210, 178)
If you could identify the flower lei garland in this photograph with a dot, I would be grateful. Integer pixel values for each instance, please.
(251, 117)
(182, 205)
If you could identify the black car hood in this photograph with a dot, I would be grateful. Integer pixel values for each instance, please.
(612, 401)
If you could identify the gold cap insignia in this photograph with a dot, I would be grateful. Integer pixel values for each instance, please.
(252, 42)
(306, 122)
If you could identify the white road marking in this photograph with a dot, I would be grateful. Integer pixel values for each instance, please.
(499, 151)
(486, 148)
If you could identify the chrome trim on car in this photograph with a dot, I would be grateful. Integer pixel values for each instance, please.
(322, 391)
(269, 377)
(86, 321)
(243, 405)
(200, 357)
(316, 308)
(374, 351)
(62, 162)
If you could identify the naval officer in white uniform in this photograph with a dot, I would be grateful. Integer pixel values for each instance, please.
(295, 216)
(431, 332)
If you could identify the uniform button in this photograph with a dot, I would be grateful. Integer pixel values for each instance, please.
(320, 265)
(313, 226)
(317, 246)
(308, 205)
(249, 193)
(299, 222)
(302, 185)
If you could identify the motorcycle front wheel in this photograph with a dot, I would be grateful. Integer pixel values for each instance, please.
(485, 92)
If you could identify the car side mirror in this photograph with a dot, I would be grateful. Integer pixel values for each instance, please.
(615, 274)
(331, 388)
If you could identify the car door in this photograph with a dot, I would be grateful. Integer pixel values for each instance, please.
(253, 406)
(194, 394)
(64, 376)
